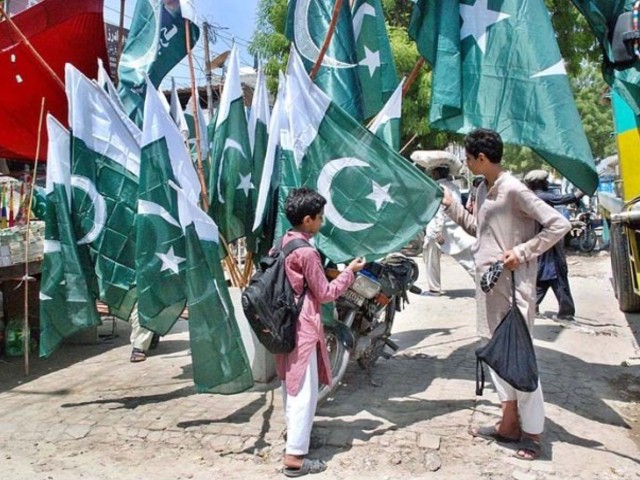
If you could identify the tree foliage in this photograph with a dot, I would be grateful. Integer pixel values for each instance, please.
(577, 46)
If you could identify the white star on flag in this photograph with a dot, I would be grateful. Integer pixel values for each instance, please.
(477, 18)
(371, 60)
(170, 261)
(245, 184)
(380, 194)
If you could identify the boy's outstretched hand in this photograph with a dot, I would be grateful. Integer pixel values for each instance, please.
(356, 264)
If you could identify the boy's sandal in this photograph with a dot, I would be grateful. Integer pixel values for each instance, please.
(490, 432)
(529, 449)
(137, 355)
(308, 466)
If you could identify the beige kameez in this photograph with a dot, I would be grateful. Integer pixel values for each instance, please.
(508, 217)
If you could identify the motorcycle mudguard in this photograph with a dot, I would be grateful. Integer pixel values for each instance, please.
(342, 333)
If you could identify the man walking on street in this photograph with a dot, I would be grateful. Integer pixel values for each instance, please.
(552, 265)
(513, 225)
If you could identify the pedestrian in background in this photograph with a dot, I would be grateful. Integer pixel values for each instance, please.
(513, 225)
(552, 266)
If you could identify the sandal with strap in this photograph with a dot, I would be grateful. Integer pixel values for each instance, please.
(529, 450)
(308, 466)
(137, 355)
(490, 432)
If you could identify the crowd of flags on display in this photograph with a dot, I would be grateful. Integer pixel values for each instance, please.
(127, 218)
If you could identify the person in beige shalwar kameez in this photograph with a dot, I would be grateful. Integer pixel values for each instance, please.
(511, 224)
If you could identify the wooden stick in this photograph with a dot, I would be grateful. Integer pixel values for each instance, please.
(248, 267)
(120, 39)
(412, 76)
(327, 40)
(411, 140)
(196, 99)
(26, 334)
(35, 53)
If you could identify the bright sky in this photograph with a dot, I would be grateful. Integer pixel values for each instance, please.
(232, 19)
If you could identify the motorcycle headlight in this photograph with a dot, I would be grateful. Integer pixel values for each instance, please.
(365, 286)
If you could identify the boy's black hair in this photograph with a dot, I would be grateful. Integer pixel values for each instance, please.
(484, 141)
(302, 202)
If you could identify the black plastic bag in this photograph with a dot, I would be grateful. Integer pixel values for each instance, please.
(510, 352)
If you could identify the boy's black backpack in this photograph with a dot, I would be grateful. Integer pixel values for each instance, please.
(269, 301)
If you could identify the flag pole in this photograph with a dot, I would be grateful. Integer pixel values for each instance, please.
(412, 76)
(26, 334)
(327, 40)
(411, 140)
(195, 97)
(35, 53)
(120, 39)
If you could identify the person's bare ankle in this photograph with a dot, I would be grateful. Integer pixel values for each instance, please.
(293, 461)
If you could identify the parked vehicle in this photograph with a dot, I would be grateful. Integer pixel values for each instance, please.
(583, 230)
(364, 315)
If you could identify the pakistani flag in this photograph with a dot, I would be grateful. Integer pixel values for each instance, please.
(231, 182)
(386, 125)
(176, 111)
(307, 26)
(376, 200)
(107, 85)
(489, 70)
(378, 76)
(258, 138)
(67, 304)
(601, 16)
(177, 258)
(105, 166)
(155, 44)
(191, 129)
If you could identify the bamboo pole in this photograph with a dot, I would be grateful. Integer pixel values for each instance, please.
(327, 40)
(120, 40)
(411, 140)
(26, 334)
(195, 98)
(412, 76)
(35, 53)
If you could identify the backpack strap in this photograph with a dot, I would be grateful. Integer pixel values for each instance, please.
(293, 245)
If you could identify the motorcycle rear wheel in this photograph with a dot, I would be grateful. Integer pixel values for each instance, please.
(338, 359)
(587, 240)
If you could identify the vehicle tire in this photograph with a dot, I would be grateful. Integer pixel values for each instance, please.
(628, 301)
(587, 240)
(338, 360)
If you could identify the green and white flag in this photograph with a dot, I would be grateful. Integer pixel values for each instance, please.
(156, 43)
(386, 125)
(191, 126)
(105, 166)
(67, 303)
(264, 224)
(177, 113)
(601, 16)
(231, 183)
(378, 76)
(307, 27)
(259, 138)
(107, 85)
(376, 200)
(177, 259)
(489, 70)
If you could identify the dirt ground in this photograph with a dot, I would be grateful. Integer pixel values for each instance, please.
(87, 413)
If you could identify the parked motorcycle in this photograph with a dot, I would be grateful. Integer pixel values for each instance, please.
(583, 229)
(364, 315)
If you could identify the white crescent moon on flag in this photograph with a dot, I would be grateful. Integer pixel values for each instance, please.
(230, 143)
(304, 43)
(99, 207)
(325, 179)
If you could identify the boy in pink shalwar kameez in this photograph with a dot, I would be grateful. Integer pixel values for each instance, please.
(308, 364)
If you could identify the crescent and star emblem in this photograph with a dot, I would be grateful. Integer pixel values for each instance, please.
(379, 194)
(304, 43)
(99, 207)
(230, 143)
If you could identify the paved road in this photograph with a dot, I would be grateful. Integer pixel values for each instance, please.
(88, 413)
